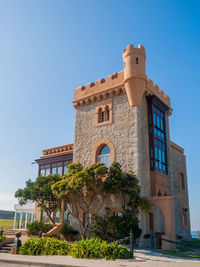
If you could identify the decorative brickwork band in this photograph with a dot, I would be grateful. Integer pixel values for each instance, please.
(58, 150)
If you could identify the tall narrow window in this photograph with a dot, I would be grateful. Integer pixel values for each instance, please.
(136, 60)
(101, 115)
(182, 181)
(54, 168)
(107, 113)
(48, 169)
(42, 170)
(157, 135)
(59, 168)
(104, 156)
(159, 140)
(185, 216)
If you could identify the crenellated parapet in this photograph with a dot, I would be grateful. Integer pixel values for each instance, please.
(101, 89)
(155, 90)
(132, 81)
(176, 148)
(57, 150)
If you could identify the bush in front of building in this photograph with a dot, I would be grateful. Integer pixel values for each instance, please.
(36, 227)
(96, 248)
(2, 238)
(44, 246)
(120, 225)
(86, 248)
(68, 231)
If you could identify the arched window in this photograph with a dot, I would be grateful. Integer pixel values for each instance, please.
(107, 115)
(104, 156)
(103, 112)
(100, 115)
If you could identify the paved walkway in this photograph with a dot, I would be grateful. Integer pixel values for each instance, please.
(142, 259)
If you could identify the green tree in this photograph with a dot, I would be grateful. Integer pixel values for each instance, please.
(80, 187)
(40, 191)
(124, 185)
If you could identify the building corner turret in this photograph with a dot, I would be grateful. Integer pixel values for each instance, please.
(134, 73)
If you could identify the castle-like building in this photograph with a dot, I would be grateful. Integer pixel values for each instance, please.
(125, 118)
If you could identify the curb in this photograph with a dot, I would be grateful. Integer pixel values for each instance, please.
(31, 263)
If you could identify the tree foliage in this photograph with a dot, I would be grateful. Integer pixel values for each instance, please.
(120, 225)
(125, 185)
(41, 192)
(82, 186)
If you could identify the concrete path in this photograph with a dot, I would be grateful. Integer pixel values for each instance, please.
(142, 259)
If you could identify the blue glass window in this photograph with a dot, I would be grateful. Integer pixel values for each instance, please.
(160, 144)
(104, 156)
(157, 134)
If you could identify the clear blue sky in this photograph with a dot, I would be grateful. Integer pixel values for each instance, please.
(48, 48)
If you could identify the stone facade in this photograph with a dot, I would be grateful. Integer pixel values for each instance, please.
(178, 165)
(128, 132)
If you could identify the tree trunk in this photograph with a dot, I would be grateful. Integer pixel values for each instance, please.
(50, 218)
(62, 215)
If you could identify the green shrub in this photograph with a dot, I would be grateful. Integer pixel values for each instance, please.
(96, 248)
(68, 231)
(2, 238)
(123, 224)
(44, 246)
(34, 228)
(120, 225)
(100, 228)
(86, 248)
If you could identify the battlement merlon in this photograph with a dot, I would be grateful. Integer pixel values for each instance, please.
(125, 81)
(104, 88)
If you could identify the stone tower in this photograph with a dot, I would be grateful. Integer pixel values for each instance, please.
(129, 114)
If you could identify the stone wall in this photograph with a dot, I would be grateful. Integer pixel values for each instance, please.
(128, 133)
(122, 133)
(177, 164)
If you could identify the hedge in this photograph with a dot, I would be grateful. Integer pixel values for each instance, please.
(86, 248)
(96, 248)
(44, 246)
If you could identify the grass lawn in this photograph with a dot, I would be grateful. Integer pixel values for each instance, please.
(181, 254)
(191, 249)
(6, 224)
(193, 243)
